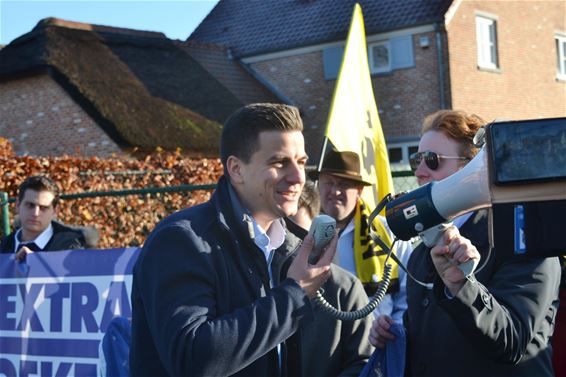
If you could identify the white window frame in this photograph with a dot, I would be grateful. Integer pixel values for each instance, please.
(372, 67)
(560, 41)
(486, 37)
(404, 163)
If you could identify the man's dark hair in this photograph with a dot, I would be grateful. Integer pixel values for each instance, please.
(241, 130)
(39, 183)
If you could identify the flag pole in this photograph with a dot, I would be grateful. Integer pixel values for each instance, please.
(322, 154)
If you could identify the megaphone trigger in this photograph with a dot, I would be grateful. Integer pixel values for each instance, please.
(433, 235)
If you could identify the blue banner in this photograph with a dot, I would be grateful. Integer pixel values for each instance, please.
(55, 308)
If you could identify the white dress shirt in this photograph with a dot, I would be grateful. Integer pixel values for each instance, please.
(41, 240)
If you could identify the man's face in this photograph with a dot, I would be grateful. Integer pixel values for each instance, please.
(271, 183)
(338, 196)
(35, 211)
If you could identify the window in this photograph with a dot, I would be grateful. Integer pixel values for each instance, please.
(383, 56)
(380, 57)
(561, 57)
(399, 154)
(486, 35)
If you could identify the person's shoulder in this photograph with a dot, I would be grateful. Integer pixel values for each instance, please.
(341, 276)
(192, 222)
(72, 237)
(185, 231)
(59, 227)
(344, 286)
(200, 214)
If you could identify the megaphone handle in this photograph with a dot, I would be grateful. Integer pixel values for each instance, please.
(430, 238)
(468, 267)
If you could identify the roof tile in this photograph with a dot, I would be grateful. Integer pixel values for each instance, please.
(258, 27)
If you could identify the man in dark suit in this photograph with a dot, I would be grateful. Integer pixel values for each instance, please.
(221, 287)
(38, 197)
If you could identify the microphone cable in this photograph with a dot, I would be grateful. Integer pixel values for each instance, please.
(376, 299)
(370, 306)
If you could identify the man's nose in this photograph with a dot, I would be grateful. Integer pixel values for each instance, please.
(336, 188)
(296, 173)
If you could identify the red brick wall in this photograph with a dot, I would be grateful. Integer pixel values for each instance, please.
(301, 79)
(40, 119)
(526, 86)
(404, 96)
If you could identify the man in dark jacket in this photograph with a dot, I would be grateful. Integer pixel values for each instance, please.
(210, 295)
(38, 197)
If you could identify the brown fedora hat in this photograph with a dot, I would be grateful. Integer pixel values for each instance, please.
(341, 164)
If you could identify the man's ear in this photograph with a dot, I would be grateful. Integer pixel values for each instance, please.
(360, 190)
(234, 168)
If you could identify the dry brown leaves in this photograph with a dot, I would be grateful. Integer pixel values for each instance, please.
(120, 220)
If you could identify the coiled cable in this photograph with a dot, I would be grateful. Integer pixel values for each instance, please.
(360, 313)
(374, 302)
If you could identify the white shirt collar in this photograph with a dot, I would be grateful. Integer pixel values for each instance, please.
(270, 240)
(41, 240)
(349, 228)
(266, 241)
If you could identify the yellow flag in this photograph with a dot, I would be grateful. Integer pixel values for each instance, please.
(353, 122)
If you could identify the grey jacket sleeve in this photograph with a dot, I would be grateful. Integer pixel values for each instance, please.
(505, 316)
(184, 292)
(355, 334)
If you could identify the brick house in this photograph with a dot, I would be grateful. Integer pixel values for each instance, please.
(68, 87)
(499, 59)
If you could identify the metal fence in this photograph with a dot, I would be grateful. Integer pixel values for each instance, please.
(402, 180)
(121, 212)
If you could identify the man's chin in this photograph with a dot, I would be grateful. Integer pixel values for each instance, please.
(334, 212)
(34, 228)
(289, 209)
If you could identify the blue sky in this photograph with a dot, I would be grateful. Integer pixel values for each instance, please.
(176, 18)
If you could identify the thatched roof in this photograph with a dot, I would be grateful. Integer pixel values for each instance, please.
(142, 88)
(230, 72)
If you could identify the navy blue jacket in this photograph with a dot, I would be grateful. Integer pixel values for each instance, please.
(201, 298)
(64, 238)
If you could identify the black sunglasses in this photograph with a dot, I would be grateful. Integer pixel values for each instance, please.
(431, 159)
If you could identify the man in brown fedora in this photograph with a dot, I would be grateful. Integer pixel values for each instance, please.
(340, 184)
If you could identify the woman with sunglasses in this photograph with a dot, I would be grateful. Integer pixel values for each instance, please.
(496, 323)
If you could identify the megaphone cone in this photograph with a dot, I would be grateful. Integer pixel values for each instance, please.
(438, 202)
(464, 191)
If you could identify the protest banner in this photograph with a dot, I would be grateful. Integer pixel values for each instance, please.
(55, 308)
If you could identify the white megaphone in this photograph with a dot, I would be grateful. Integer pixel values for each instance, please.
(508, 169)
(439, 202)
(428, 210)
